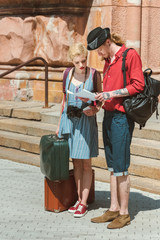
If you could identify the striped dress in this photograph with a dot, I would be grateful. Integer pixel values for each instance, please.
(81, 133)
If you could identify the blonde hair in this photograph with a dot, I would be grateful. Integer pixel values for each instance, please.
(77, 49)
(116, 39)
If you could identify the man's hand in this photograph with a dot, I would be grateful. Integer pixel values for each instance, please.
(112, 94)
(102, 96)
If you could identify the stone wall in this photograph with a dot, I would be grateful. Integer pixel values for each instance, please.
(33, 28)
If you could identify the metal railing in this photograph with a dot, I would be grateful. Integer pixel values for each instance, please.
(25, 64)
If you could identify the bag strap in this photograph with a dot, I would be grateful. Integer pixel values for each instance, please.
(123, 65)
(70, 84)
(94, 77)
(148, 69)
(64, 79)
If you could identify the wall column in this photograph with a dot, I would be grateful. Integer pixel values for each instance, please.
(133, 25)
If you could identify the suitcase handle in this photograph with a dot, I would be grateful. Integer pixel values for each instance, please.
(55, 137)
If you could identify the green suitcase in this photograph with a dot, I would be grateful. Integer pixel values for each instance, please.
(54, 157)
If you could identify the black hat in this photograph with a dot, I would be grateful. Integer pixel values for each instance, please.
(97, 37)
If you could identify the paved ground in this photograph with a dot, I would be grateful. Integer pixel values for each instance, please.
(22, 214)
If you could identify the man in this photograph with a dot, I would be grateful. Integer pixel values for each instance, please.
(117, 127)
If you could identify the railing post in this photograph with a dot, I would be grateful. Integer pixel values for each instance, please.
(46, 74)
(46, 85)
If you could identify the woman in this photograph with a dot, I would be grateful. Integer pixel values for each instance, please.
(79, 126)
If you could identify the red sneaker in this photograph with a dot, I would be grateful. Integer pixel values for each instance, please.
(81, 211)
(74, 208)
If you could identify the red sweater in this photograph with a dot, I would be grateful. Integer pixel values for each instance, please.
(113, 77)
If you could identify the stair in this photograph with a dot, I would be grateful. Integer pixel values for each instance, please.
(19, 156)
(26, 127)
(23, 123)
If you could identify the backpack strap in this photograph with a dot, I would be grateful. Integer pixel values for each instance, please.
(64, 79)
(150, 71)
(123, 66)
(94, 77)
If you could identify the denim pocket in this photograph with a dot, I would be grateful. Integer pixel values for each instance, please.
(120, 119)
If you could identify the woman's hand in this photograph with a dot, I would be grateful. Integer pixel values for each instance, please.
(57, 131)
(92, 111)
(84, 99)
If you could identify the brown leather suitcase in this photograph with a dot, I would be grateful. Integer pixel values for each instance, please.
(60, 195)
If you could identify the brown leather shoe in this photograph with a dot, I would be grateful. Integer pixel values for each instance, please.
(120, 221)
(106, 217)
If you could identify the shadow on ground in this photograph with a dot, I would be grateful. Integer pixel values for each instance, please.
(138, 202)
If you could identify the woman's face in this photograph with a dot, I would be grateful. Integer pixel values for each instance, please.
(80, 63)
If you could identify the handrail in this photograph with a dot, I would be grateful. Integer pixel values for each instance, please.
(46, 74)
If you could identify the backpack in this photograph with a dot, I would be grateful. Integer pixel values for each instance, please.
(140, 107)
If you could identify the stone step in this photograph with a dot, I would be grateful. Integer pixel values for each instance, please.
(35, 111)
(141, 166)
(19, 141)
(145, 147)
(24, 110)
(150, 131)
(19, 156)
(41, 128)
(26, 127)
(50, 117)
(7, 107)
(139, 147)
(142, 183)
